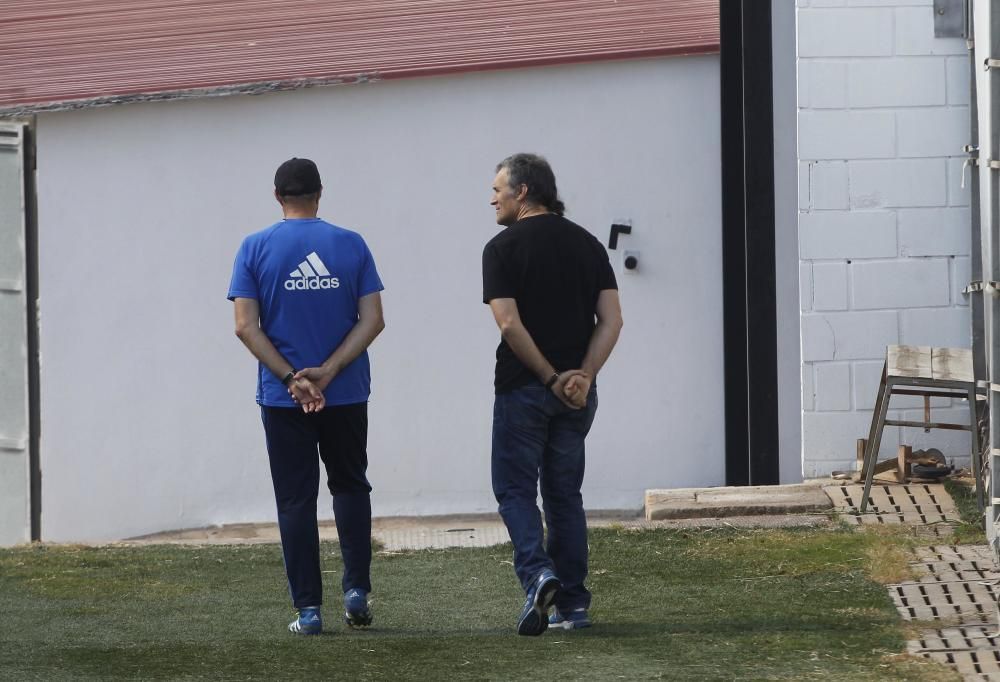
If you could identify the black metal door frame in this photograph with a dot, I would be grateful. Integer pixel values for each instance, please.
(748, 249)
(34, 369)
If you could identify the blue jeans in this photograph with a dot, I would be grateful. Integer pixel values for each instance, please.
(537, 438)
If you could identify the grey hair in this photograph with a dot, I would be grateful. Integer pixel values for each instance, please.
(535, 173)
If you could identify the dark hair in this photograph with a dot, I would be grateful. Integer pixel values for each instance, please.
(536, 174)
(299, 199)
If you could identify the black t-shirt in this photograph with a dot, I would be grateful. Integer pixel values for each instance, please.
(555, 270)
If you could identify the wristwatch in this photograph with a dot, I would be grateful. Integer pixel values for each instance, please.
(287, 379)
(552, 380)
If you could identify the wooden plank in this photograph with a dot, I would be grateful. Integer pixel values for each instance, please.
(903, 453)
(909, 361)
(952, 364)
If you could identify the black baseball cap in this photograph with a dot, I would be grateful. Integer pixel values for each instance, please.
(296, 177)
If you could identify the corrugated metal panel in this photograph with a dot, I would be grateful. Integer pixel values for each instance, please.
(70, 50)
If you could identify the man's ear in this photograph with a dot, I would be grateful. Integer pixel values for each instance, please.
(278, 197)
(522, 192)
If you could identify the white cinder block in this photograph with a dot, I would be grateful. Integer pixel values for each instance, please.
(829, 3)
(915, 34)
(827, 84)
(816, 468)
(829, 287)
(805, 201)
(808, 392)
(805, 286)
(828, 185)
(848, 336)
(847, 135)
(934, 231)
(866, 378)
(909, 283)
(802, 80)
(948, 327)
(958, 73)
(832, 436)
(961, 276)
(932, 132)
(909, 182)
(958, 195)
(833, 386)
(900, 82)
(868, 375)
(845, 33)
(847, 234)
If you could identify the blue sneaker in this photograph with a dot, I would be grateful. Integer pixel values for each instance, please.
(571, 620)
(309, 622)
(356, 611)
(535, 614)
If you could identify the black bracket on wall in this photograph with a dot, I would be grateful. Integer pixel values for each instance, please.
(617, 229)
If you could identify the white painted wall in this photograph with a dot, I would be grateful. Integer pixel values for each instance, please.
(884, 233)
(148, 417)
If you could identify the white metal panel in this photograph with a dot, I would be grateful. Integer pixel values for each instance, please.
(147, 397)
(986, 38)
(15, 521)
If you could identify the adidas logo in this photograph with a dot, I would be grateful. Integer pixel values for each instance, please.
(311, 274)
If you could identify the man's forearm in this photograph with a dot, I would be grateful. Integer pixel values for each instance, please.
(602, 341)
(353, 345)
(257, 342)
(527, 351)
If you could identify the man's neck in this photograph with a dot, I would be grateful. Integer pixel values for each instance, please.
(531, 211)
(292, 214)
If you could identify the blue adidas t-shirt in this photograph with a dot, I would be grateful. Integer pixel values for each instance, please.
(307, 276)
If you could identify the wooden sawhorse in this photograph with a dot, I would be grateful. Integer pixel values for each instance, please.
(928, 372)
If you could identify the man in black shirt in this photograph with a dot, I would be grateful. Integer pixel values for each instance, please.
(546, 279)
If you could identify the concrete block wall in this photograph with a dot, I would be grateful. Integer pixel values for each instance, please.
(884, 234)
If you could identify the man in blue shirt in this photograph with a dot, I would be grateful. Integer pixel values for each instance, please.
(307, 306)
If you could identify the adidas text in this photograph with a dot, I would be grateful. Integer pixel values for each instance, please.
(312, 283)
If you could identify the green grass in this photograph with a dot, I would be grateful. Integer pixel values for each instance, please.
(678, 605)
(970, 530)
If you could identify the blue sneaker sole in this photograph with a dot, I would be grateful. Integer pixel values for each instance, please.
(536, 620)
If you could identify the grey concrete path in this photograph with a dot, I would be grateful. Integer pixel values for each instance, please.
(438, 532)
(760, 507)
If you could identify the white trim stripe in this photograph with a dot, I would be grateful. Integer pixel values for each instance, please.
(317, 265)
(306, 270)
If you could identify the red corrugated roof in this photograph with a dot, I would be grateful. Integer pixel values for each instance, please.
(100, 51)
